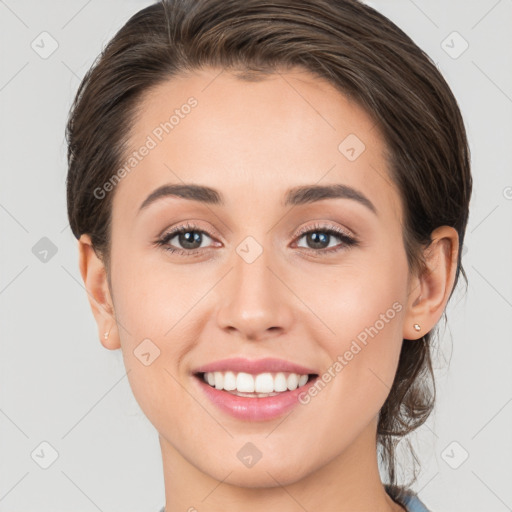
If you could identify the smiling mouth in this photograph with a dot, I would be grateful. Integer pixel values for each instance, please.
(255, 386)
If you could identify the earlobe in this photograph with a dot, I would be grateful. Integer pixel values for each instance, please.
(94, 276)
(429, 292)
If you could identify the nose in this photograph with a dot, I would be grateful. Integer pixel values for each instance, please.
(256, 303)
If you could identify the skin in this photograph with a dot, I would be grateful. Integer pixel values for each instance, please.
(252, 141)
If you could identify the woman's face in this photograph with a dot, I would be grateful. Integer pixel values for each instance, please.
(248, 281)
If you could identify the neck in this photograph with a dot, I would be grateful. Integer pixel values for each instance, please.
(349, 482)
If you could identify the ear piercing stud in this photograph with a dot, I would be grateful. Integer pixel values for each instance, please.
(106, 335)
(417, 327)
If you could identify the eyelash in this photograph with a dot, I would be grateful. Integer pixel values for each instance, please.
(347, 240)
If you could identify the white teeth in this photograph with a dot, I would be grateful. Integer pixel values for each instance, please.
(302, 380)
(280, 383)
(264, 383)
(261, 384)
(229, 381)
(293, 381)
(219, 380)
(244, 382)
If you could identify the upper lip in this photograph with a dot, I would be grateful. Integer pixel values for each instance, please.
(254, 366)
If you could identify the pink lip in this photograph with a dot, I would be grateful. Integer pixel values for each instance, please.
(254, 409)
(238, 364)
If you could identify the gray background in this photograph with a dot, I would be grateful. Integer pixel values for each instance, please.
(60, 386)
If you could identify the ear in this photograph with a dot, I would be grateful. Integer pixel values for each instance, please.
(429, 292)
(95, 280)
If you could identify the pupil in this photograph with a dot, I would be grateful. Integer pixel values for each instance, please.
(318, 240)
(187, 240)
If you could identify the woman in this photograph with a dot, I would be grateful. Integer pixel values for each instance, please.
(270, 200)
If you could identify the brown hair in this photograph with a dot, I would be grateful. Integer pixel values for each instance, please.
(358, 50)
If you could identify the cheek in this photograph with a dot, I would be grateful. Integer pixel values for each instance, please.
(151, 298)
(361, 309)
(155, 316)
(365, 314)
(153, 307)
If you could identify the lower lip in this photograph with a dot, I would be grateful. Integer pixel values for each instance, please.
(254, 409)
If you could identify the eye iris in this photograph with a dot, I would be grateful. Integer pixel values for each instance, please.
(188, 238)
(318, 239)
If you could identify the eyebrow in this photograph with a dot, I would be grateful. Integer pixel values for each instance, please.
(296, 196)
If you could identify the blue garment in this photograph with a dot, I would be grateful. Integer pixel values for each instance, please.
(409, 500)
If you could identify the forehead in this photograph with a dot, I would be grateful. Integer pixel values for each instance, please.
(253, 138)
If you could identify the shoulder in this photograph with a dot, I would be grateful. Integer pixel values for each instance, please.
(406, 498)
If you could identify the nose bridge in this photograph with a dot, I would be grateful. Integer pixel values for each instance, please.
(254, 301)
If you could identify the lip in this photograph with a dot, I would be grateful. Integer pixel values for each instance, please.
(253, 409)
(254, 366)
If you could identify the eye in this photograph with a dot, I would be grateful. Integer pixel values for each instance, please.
(189, 237)
(320, 237)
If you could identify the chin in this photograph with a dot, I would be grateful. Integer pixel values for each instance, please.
(261, 475)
